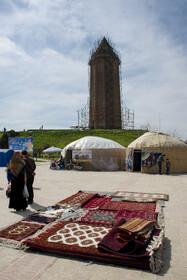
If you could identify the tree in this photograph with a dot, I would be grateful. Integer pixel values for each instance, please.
(5, 137)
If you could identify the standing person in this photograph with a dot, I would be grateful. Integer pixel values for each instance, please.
(8, 173)
(30, 168)
(159, 161)
(18, 180)
(168, 164)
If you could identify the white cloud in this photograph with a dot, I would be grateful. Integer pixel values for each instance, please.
(44, 51)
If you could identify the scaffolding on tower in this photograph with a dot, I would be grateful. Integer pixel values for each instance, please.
(127, 117)
(83, 116)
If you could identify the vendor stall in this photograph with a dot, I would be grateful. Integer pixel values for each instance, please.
(95, 153)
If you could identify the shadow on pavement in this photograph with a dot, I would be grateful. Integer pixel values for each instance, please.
(37, 206)
(166, 256)
(27, 212)
(24, 214)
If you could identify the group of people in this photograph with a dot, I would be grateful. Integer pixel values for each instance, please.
(168, 164)
(57, 164)
(22, 171)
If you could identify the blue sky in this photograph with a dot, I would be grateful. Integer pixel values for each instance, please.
(44, 54)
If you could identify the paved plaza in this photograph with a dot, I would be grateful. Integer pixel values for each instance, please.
(51, 186)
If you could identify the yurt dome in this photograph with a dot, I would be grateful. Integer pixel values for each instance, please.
(156, 139)
(97, 153)
(151, 145)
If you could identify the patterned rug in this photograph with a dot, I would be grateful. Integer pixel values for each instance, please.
(70, 237)
(20, 230)
(134, 248)
(132, 206)
(86, 230)
(140, 197)
(99, 217)
(128, 215)
(97, 202)
(81, 240)
(80, 198)
(136, 229)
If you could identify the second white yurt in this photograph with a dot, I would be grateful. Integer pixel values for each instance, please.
(95, 153)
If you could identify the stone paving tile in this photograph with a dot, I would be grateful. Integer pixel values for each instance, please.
(180, 272)
(102, 268)
(70, 269)
(178, 261)
(147, 276)
(112, 269)
(165, 277)
(7, 255)
(183, 233)
(132, 274)
(114, 277)
(26, 267)
(185, 249)
(58, 276)
(70, 265)
(82, 275)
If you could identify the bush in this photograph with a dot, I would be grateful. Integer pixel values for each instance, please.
(4, 139)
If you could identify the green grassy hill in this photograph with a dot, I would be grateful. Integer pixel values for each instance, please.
(60, 138)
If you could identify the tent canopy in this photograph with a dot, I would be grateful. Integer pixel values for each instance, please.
(5, 156)
(156, 139)
(52, 150)
(90, 143)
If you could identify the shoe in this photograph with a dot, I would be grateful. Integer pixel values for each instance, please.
(30, 202)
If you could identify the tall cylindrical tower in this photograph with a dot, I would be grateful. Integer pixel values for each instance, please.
(105, 105)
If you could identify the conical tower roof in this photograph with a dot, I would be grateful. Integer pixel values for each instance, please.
(104, 49)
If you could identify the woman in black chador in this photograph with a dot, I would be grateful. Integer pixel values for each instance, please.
(18, 179)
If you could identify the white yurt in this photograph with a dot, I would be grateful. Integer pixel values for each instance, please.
(142, 154)
(95, 153)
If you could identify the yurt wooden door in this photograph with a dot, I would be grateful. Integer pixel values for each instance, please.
(137, 160)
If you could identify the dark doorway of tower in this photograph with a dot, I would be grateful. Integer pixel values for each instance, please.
(137, 160)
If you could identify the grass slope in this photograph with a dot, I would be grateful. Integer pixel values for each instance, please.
(60, 138)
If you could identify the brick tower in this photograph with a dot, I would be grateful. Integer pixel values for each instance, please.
(105, 105)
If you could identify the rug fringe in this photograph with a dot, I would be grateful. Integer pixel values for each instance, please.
(161, 220)
(155, 249)
(13, 244)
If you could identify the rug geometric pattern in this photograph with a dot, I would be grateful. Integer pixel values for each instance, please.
(128, 215)
(80, 198)
(20, 230)
(93, 234)
(140, 197)
(81, 235)
(68, 236)
(99, 217)
(132, 206)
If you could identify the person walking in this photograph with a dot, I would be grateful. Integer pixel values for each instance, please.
(30, 173)
(18, 180)
(159, 162)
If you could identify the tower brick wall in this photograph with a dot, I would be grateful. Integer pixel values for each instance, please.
(105, 105)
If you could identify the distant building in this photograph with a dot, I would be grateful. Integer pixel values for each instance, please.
(105, 105)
